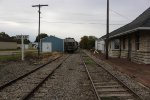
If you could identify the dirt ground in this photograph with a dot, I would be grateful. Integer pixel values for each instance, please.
(139, 72)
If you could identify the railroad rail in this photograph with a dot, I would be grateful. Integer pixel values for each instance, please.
(24, 86)
(25, 75)
(111, 87)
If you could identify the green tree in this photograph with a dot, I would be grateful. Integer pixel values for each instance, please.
(4, 35)
(87, 42)
(42, 35)
(6, 38)
(26, 41)
(91, 42)
(84, 42)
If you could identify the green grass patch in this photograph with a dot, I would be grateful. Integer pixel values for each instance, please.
(10, 58)
(9, 50)
(88, 60)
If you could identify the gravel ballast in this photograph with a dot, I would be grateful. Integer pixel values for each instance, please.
(20, 89)
(14, 69)
(69, 82)
(142, 91)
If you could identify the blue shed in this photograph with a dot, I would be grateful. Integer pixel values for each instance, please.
(51, 44)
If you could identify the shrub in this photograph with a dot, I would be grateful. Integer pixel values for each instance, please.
(30, 55)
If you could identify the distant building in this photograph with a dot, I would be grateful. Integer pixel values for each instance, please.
(33, 45)
(26, 46)
(8, 45)
(51, 44)
(132, 41)
(100, 45)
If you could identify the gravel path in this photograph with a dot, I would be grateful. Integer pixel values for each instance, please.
(69, 82)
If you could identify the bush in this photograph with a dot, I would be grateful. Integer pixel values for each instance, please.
(45, 55)
(30, 55)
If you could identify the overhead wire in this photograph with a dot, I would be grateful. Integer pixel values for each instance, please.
(53, 22)
(79, 23)
(56, 22)
(120, 14)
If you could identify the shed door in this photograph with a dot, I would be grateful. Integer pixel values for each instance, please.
(46, 47)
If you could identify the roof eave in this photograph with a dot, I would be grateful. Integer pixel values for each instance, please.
(130, 31)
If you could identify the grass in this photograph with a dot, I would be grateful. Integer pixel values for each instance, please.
(9, 49)
(10, 58)
(88, 60)
(33, 54)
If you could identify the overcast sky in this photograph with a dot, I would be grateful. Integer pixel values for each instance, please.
(67, 18)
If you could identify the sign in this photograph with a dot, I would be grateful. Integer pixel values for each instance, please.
(20, 36)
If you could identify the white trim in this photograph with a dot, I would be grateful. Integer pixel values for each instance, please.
(129, 31)
(144, 28)
(123, 33)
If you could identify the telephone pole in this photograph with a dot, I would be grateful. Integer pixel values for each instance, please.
(39, 6)
(107, 29)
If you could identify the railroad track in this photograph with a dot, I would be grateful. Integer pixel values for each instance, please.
(21, 77)
(106, 86)
(24, 87)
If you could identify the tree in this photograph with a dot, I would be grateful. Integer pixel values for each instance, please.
(42, 35)
(84, 42)
(87, 42)
(6, 38)
(26, 41)
(91, 42)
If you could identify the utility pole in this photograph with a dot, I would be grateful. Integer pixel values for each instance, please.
(107, 29)
(39, 6)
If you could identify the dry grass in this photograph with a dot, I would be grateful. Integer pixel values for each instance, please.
(34, 55)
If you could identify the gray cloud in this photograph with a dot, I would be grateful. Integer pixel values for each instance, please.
(67, 18)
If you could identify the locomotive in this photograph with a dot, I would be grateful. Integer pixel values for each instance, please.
(70, 45)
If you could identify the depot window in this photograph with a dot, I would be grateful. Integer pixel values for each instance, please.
(116, 44)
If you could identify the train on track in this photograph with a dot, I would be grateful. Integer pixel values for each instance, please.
(70, 45)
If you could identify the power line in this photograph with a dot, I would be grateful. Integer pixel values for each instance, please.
(53, 22)
(81, 23)
(120, 14)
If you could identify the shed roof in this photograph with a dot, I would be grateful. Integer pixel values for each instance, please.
(140, 23)
(51, 37)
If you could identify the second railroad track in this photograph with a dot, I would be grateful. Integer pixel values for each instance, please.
(105, 85)
(24, 87)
